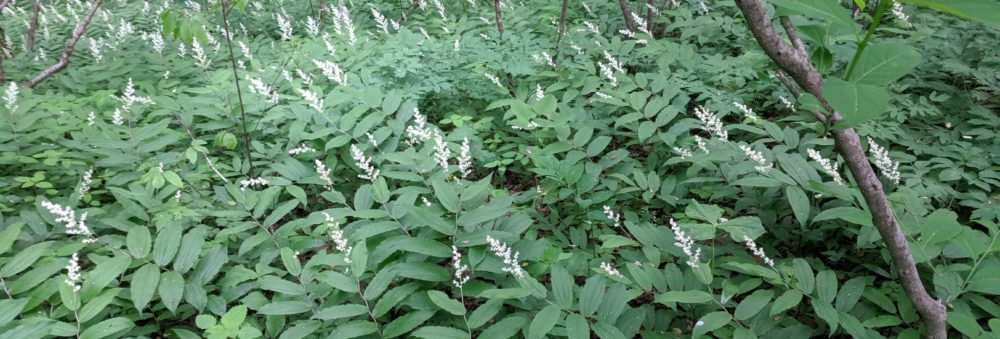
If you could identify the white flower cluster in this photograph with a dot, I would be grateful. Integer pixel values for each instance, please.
(610, 270)
(312, 27)
(129, 98)
(503, 251)
(461, 271)
(493, 79)
(762, 165)
(441, 151)
(828, 166)
(440, 9)
(465, 158)
(253, 182)
(342, 23)
(786, 102)
(10, 98)
(364, 163)
(155, 40)
(711, 123)
(543, 58)
(889, 168)
(686, 244)
(418, 132)
(284, 24)
(539, 92)
(88, 177)
(339, 240)
(683, 152)
(701, 144)
(257, 86)
(73, 276)
(611, 215)
(897, 11)
(310, 97)
(301, 149)
(201, 59)
(758, 251)
(608, 69)
(331, 71)
(425, 201)
(746, 111)
(67, 216)
(324, 173)
(380, 20)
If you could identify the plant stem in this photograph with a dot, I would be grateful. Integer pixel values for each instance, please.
(236, 78)
(879, 11)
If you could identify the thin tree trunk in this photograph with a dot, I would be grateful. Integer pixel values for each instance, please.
(3, 53)
(562, 30)
(29, 41)
(798, 65)
(650, 14)
(322, 13)
(496, 10)
(627, 13)
(64, 60)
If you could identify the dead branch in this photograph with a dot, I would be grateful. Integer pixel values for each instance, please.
(29, 40)
(627, 13)
(496, 10)
(64, 60)
(798, 65)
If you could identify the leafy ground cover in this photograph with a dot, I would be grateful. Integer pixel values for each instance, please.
(394, 169)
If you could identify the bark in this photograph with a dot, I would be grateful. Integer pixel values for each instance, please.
(627, 13)
(64, 60)
(650, 14)
(322, 13)
(496, 10)
(3, 53)
(562, 31)
(796, 62)
(29, 41)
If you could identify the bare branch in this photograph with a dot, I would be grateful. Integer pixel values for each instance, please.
(798, 65)
(788, 84)
(793, 36)
(627, 13)
(496, 10)
(64, 60)
(29, 40)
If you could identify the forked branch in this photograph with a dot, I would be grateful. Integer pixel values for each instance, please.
(64, 60)
(796, 62)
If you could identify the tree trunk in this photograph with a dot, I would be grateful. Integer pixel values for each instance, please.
(627, 13)
(64, 60)
(796, 62)
(496, 10)
(29, 40)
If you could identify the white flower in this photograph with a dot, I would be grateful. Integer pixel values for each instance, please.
(10, 99)
(312, 27)
(284, 25)
(701, 144)
(503, 251)
(426, 202)
(610, 270)
(829, 167)
(787, 103)
(539, 92)
(889, 168)
(441, 151)
(129, 98)
(614, 63)
(591, 27)
(897, 11)
(364, 163)
(457, 47)
(314, 101)
(465, 158)
(117, 117)
(380, 20)
(181, 49)
(602, 95)
(95, 49)
(493, 79)
(758, 251)
(252, 182)
(440, 9)
(711, 123)
(608, 73)
(762, 165)
(245, 49)
(587, 8)
(685, 243)
(67, 217)
(257, 86)
(201, 59)
(331, 71)
(91, 117)
(306, 78)
(85, 182)
(611, 215)
(324, 173)
(338, 237)
(73, 276)
(418, 132)
(302, 148)
(683, 152)
(461, 275)
(746, 111)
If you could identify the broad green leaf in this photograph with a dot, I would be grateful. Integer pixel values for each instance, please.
(591, 295)
(171, 289)
(577, 326)
(787, 300)
(741, 227)
(285, 308)
(984, 11)
(543, 322)
(711, 322)
(234, 317)
(341, 311)
(353, 329)
(168, 240)
(485, 312)
(24, 258)
(275, 284)
(493, 210)
(986, 279)
(190, 250)
(426, 217)
(106, 328)
(856, 103)
(139, 241)
(290, 261)
(10, 308)
(505, 328)
(850, 293)
(562, 286)
(884, 63)
(685, 297)
(447, 195)
(826, 312)
(8, 236)
(143, 285)
(406, 323)
(799, 202)
(940, 226)
(753, 304)
(965, 324)
(446, 303)
(439, 332)
(825, 10)
(826, 286)
(339, 281)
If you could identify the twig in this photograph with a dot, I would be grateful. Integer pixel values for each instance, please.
(29, 40)
(627, 13)
(64, 60)
(799, 67)
(496, 10)
(207, 159)
(788, 83)
(236, 78)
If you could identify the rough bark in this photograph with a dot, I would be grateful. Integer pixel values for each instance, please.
(29, 40)
(796, 62)
(627, 13)
(64, 60)
(496, 10)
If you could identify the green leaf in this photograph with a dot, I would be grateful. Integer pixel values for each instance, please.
(285, 308)
(543, 322)
(341, 311)
(850, 293)
(234, 317)
(741, 227)
(106, 328)
(820, 9)
(685, 297)
(753, 304)
(168, 240)
(359, 257)
(884, 63)
(505, 293)
(97, 304)
(445, 303)
(986, 280)
(965, 324)
(577, 326)
(143, 285)
(485, 312)
(24, 258)
(591, 295)
(353, 329)
(804, 278)
(291, 262)
(505, 328)
(826, 286)
(940, 226)
(562, 286)
(711, 322)
(426, 217)
(439, 332)
(496, 209)
(8, 236)
(799, 202)
(826, 312)
(406, 323)
(139, 241)
(789, 299)
(447, 195)
(856, 103)
(280, 212)
(190, 250)
(984, 11)
(10, 308)
(171, 289)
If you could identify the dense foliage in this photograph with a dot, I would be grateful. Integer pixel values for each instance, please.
(399, 170)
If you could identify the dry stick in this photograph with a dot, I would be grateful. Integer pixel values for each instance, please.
(562, 30)
(627, 13)
(496, 10)
(29, 40)
(236, 78)
(800, 68)
(64, 60)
